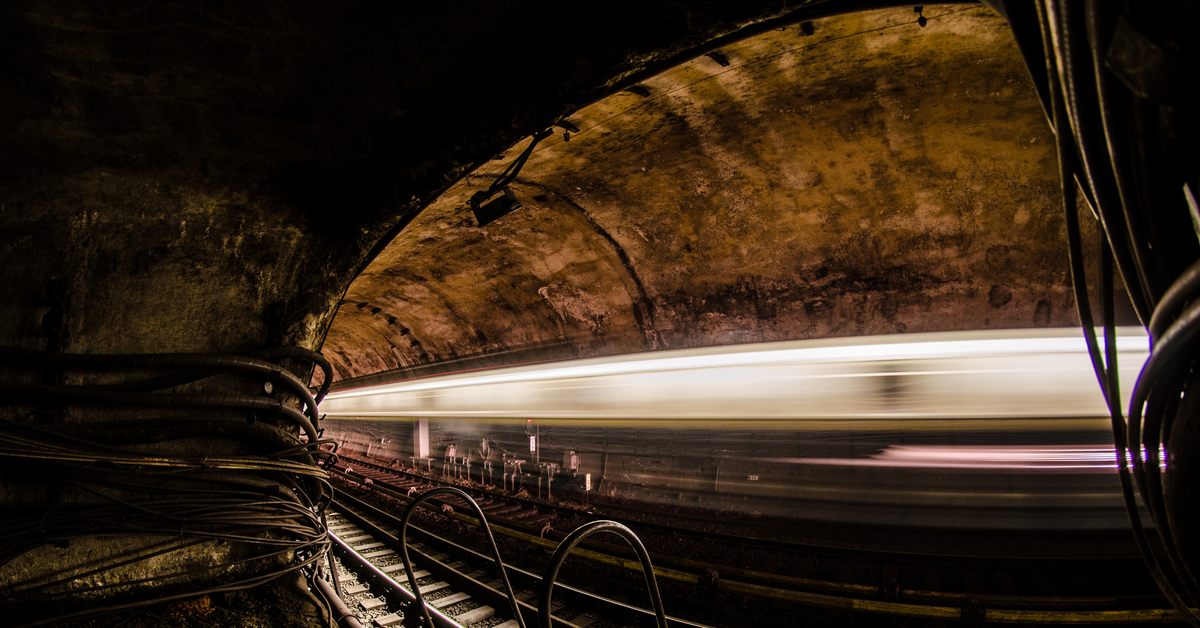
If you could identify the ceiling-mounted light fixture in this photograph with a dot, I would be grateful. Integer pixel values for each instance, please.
(486, 210)
(495, 208)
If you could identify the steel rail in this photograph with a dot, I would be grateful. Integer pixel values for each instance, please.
(937, 605)
(396, 594)
(730, 539)
(620, 556)
(529, 610)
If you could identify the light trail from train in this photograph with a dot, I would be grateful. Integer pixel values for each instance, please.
(1004, 375)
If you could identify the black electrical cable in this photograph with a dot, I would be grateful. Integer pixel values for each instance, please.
(511, 171)
(18, 589)
(1079, 89)
(273, 501)
(1154, 397)
(303, 354)
(1100, 18)
(105, 436)
(333, 575)
(238, 585)
(317, 596)
(408, 568)
(1066, 168)
(22, 393)
(161, 382)
(1063, 26)
(1183, 291)
(1054, 38)
(343, 616)
(268, 371)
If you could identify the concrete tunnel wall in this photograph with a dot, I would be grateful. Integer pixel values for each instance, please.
(212, 178)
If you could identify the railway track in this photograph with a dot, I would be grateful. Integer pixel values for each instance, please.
(751, 532)
(459, 585)
(784, 576)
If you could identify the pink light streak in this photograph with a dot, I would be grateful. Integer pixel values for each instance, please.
(1052, 458)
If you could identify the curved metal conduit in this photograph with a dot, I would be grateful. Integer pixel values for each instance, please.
(408, 568)
(573, 539)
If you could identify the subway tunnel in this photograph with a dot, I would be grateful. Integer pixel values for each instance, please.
(197, 199)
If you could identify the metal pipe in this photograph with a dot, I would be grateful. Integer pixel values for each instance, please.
(573, 539)
(408, 568)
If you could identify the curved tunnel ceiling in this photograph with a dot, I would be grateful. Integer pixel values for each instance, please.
(869, 177)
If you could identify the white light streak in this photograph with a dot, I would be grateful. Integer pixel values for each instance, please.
(1041, 373)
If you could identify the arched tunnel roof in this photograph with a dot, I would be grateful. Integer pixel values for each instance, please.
(858, 175)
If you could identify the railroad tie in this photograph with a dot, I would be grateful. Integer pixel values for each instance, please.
(368, 546)
(356, 539)
(388, 620)
(475, 616)
(399, 567)
(379, 553)
(441, 603)
(430, 588)
(371, 603)
(512, 623)
(355, 588)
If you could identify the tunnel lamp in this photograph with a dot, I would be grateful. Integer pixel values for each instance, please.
(488, 212)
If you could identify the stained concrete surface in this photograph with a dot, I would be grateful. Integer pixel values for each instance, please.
(875, 177)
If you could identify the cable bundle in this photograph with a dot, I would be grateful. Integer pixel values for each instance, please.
(1111, 87)
(114, 454)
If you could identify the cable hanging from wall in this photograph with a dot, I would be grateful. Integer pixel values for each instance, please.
(208, 481)
(1096, 74)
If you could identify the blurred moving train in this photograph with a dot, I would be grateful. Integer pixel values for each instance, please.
(1008, 375)
(963, 430)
